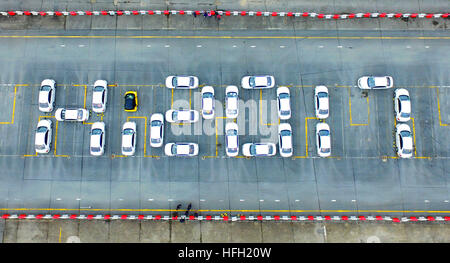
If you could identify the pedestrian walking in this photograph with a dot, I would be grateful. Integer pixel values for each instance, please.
(205, 14)
(195, 14)
(178, 206)
(189, 206)
(218, 17)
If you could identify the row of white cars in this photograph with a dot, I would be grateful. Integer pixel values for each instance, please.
(46, 103)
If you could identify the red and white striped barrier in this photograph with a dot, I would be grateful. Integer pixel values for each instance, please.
(235, 218)
(223, 13)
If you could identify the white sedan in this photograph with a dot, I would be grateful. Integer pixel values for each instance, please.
(182, 116)
(323, 139)
(232, 139)
(43, 138)
(182, 82)
(62, 114)
(208, 102)
(372, 82)
(99, 96)
(403, 140)
(321, 102)
(156, 130)
(285, 139)
(232, 101)
(259, 149)
(129, 138)
(47, 95)
(181, 149)
(258, 82)
(97, 147)
(402, 105)
(284, 103)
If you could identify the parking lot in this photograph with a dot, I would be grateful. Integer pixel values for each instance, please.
(363, 174)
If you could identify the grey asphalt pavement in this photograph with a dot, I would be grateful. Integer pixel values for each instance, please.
(362, 177)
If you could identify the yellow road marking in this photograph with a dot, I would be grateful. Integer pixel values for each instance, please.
(439, 108)
(226, 37)
(14, 103)
(306, 137)
(145, 137)
(60, 230)
(260, 112)
(350, 110)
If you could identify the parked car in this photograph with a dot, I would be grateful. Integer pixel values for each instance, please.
(99, 96)
(43, 136)
(285, 139)
(47, 92)
(403, 140)
(259, 149)
(181, 149)
(323, 139)
(373, 82)
(131, 101)
(182, 82)
(129, 138)
(97, 146)
(208, 102)
(232, 139)
(231, 102)
(80, 114)
(156, 130)
(402, 105)
(258, 82)
(284, 103)
(321, 102)
(182, 116)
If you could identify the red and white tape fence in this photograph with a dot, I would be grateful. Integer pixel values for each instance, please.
(234, 218)
(224, 13)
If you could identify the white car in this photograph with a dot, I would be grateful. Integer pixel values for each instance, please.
(156, 130)
(232, 139)
(208, 102)
(43, 138)
(80, 114)
(99, 96)
(284, 103)
(402, 105)
(259, 149)
(232, 101)
(182, 82)
(181, 149)
(182, 116)
(372, 82)
(129, 138)
(258, 82)
(98, 137)
(323, 139)
(285, 139)
(403, 140)
(47, 95)
(321, 102)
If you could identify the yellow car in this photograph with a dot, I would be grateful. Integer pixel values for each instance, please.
(131, 101)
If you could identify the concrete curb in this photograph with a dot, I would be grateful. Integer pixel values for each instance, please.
(223, 13)
(234, 218)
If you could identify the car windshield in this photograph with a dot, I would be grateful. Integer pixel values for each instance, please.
(40, 146)
(371, 82)
(325, 150)
(232, 94)
(322, 94)
(128, 131)
(126, 149)
(403, 98)
(207, 95)
(41, 129)
(285, 133)
(98, 88)
(232, 132)
(45, 88)
(174, 149)
(324, 133)
(253, 149)
(174, 82)
(286, 150)
(405, 115)
(323, 111)
(269, 81)
(80, 114)
(191, 81)
(284, 96)
(155, 123)
(96, 131)
(407, 151)
(95, 149)
(175, 115)
(405, 134)
(251, 81)
(156, 140)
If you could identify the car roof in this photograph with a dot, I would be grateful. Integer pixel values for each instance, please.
(325, 141)
(184, 115)
(43, 96)
(380, 81)
(126, 140)
(95, 140)
(97, 96)
(183, 148)
(71, 114)
(183, 81)
(260, 80)
(155, 132)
